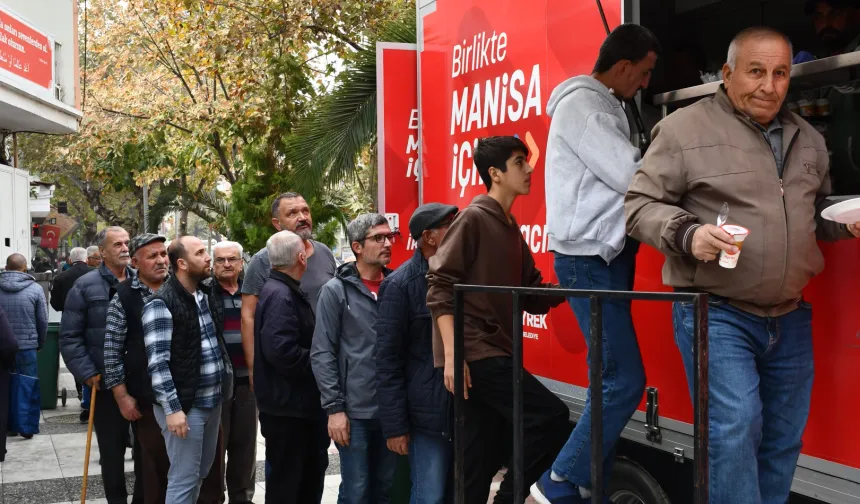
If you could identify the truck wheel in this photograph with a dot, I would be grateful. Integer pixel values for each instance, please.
(631, 484)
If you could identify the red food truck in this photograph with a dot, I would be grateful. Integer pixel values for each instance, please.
(487, 67)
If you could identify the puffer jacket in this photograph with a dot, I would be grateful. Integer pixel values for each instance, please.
(342, 349)
(82, 328)
(24, 302)
(410, 390)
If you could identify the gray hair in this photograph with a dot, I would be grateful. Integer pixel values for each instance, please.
(276, 205)
(754, 32)
(284, 248)
(225, 245)
(77, 254)
(102, 236)
(92, 250)
(357, 229)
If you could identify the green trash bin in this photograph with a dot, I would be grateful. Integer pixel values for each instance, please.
(48, 361)
(402, 486)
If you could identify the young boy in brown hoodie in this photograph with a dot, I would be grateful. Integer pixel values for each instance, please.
(484, 247)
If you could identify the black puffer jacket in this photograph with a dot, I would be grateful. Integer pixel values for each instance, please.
(82, 328)
(410, 390)
(185, 346)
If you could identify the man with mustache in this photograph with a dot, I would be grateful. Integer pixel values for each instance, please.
(126, 373)
(189, 367)
(239, 414)
(82, 332)
(837, 24)
(742, 147)
(342, 358)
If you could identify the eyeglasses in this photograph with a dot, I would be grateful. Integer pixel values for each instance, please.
(223, 260)
(380, 238)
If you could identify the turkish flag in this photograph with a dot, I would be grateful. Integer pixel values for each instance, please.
(50, 236)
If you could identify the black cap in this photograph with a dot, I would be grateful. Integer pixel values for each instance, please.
(143, 240)
(429, 216)
(809, 8)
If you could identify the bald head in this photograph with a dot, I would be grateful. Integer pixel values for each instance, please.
(16, 262)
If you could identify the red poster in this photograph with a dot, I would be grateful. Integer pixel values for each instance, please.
(50, 236)
(488, 68)
(397, 131)
(25, 51)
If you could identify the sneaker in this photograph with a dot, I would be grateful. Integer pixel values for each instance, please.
(547, 491)
(27, 436)
(85, 416)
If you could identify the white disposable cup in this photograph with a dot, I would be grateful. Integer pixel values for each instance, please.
(739, 233)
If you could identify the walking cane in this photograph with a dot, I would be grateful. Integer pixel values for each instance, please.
(93, 396)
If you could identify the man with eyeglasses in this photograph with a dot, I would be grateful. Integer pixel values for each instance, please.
(342, 359)
(239, 413)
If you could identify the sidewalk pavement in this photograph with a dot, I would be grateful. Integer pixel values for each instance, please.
(49, 468)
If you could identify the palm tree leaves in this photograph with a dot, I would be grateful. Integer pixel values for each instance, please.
(326, 145)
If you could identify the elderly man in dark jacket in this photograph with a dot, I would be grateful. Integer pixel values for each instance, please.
(413, 403)
(63, 283)
(291, 417)
(82, 333)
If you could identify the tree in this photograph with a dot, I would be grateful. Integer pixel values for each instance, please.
(331, 140)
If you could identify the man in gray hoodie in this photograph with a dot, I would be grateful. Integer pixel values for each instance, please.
(590, 162)
(24, 302)
(343, 363)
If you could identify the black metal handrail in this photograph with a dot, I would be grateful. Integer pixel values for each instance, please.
(700, 381)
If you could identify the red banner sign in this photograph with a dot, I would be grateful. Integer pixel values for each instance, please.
(488, 68)
(25, 51)
(397, 132)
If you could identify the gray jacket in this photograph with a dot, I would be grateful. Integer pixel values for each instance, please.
(82, 328)
(342, 352)
(23, 300)
(589, 164)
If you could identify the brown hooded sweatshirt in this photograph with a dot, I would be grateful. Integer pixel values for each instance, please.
(483, 248)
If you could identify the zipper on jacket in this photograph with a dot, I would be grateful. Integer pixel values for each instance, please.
(784, 209)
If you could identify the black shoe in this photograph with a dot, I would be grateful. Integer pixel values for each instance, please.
(85, 416)
(27, 436)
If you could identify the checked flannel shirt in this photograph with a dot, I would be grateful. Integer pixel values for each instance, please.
(158, 333)
(116, 331)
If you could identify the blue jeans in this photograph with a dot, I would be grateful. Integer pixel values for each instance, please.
(760, 383)
(192, 457)
(623, 372)
(366, 465)
(430, 465)
(86, 395)
(26, 362)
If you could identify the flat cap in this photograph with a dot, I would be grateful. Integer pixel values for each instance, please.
(143, 240)
(429, 216)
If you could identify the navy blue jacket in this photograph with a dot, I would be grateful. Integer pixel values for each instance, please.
(82, 328)
(410, 390)
(283, 331)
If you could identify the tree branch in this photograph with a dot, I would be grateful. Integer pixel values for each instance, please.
(334, 33)
(222, 156)
(145, 118)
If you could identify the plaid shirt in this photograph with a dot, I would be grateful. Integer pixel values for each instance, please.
(116, 331)
(158, 333)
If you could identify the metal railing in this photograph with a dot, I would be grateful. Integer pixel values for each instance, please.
(700, 381)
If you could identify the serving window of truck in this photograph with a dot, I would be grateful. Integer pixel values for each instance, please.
(487, 67)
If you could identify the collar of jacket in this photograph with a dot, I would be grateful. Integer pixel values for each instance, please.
(110, 278)
(790, 127)
(291, 282)
(421, 261)
(348, 274)
(189, 296)
(215, 285)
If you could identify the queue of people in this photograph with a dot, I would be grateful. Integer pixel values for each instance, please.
(361, 355)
